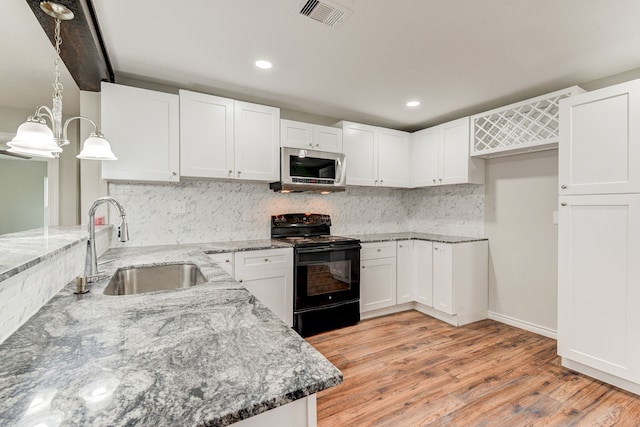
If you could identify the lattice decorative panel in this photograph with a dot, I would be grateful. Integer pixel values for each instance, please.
(525, 126)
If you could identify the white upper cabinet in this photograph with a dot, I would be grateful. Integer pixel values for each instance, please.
(600, 141)
(375, 156)
(362, 157)
(440, 155)
(223, 138)
(393, 158)
(143, 129)
(310, 137)
(424, 157)
(257, 142)
(206, 135)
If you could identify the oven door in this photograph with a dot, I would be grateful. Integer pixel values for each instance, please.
(326, 275)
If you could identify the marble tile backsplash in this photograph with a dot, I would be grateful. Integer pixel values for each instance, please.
(450, 209)
(195, 211)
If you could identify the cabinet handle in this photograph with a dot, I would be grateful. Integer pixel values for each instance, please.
(266, 260)
(241, 281)
(363, 266)
(376, 181)
(435, 249)
(564, 187)
(173, 173)
(311, 144)
(400, 246)
(239, 172)
(226, 260)
(381, 181)
(230, 172)
(563, 204)
(317, 145)
(379, 250)
(440, 179)
(434, 181)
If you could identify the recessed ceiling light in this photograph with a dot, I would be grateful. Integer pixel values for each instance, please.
(265, 65)
(413, 103)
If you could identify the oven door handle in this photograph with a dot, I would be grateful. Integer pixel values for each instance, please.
(327, 248)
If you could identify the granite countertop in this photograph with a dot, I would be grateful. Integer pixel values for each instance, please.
(24, 249)
(388, 237)
(206, 355)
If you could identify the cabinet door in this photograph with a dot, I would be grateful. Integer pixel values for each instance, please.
(206, 135)
(224, 260)
(393, 158)
(454, 152)
(599, 150)
(377, 284)
(296, 134)
(143, 129)
(424, 157)
(268, 274)
(327, 139)
(443, 297)
(598, 282)
(405, 286)
(423, 258)
(257, 142)
(359, 146)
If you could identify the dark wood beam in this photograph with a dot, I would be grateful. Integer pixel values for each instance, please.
(82, 50)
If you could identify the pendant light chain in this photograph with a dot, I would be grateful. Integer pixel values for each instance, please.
(57, 86)
(57, 89)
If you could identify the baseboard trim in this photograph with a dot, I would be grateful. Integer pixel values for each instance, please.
(527, 326)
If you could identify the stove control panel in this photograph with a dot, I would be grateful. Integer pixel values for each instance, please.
(300, 219)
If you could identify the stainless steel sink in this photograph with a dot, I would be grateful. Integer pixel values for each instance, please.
(151, 278)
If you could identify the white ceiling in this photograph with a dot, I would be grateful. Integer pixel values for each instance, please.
(456, 56)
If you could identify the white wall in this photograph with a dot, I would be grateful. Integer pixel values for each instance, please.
(66, 167)
(520, 197)
(21, 207)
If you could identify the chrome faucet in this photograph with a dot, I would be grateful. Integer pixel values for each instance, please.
(91, 260)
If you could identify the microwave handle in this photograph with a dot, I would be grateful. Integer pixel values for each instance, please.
(342, 171)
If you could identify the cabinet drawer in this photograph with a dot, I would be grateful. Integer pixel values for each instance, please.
(378, 250)
(274, 257)
(224, 260)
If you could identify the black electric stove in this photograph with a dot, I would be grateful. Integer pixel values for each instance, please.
(326, 272)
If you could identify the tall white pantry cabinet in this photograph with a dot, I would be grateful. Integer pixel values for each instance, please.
(599, 234)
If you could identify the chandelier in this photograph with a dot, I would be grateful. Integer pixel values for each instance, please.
(34, 137)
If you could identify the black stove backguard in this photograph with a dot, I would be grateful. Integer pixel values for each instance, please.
(326, 273)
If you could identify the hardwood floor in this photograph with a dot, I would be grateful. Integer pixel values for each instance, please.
(409, 369)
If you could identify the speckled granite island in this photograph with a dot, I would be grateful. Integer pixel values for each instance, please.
(208, 355)
(390, 237)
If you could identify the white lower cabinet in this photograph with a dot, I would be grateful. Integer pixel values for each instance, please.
(443, 278)
(268, 274)
(599, 287)
(406, 277)
(461, 280)
(449, 281)
(423, 270)
(377, 276)
(224, 260)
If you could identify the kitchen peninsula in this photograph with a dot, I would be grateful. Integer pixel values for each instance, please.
(210, 355)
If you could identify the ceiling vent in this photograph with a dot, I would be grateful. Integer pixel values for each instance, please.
(325, 12)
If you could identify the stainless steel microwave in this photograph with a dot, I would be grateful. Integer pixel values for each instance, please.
(310, 170)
